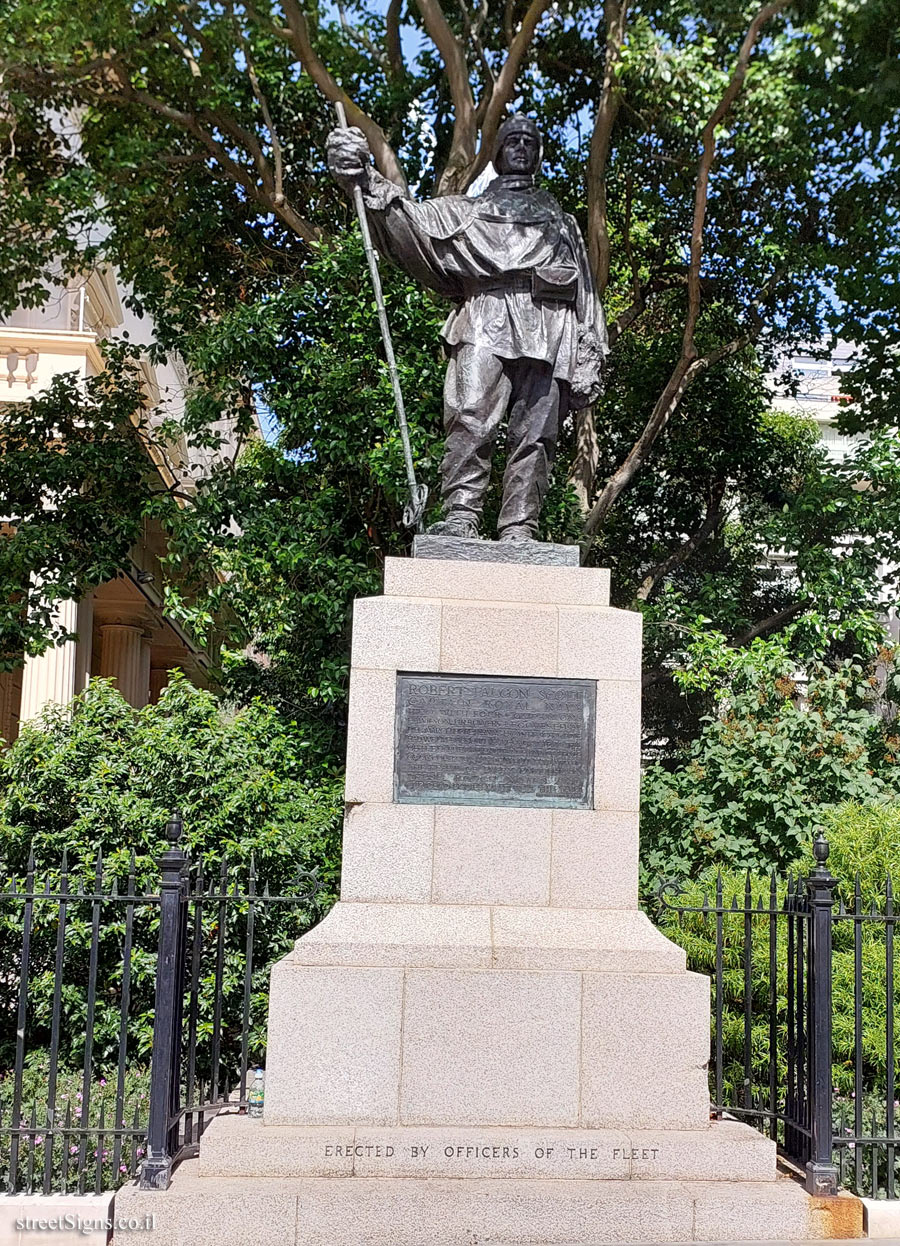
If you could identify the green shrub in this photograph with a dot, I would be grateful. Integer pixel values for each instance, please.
(102, 777)
(853, 830)
(771, 759)
(67, 1159)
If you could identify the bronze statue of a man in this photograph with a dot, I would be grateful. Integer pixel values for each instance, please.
(527, 337)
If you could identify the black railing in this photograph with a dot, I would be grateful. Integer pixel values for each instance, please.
(132, 1015)
(814, 1069)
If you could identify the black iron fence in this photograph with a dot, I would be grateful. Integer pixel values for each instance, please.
(131, 1015)
(803, 1043)
(134, 1014)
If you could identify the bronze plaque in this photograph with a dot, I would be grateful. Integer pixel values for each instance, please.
(494, 740)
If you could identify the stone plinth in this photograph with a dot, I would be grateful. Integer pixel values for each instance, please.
(486, 1039)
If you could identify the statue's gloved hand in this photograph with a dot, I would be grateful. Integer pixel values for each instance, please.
(348, 156)
(590, 365)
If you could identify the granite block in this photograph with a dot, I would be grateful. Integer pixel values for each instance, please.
(594, 859)
(63, 1219)
(496, 639)
(645, 1048)
(490, 1048)
(767, 1211)
(609, 941)
(617, 760)
(238, 1146)
(491, 855)
(370, 736)
(211, 1211)
(387, 853)
(398, 934)
(505, 582)
(333, 1053)
(476, 549)
(235, 1145)
(722, 1151)
(882, 1218)
(390, 633)
(599, 644)
(375, 1212)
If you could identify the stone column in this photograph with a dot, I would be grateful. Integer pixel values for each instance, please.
(158, 680)
(9, 696)
(50, 679)
(144, 688)
(85, 644)
(122, 659)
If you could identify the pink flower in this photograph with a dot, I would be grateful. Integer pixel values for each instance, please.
(123, 1168)
(102, 1081)
(38, 1140)
(73, 1150)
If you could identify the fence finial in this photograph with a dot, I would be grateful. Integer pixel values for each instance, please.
(174, 827)
(821, 848)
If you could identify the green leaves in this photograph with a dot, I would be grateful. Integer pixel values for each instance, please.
(787, 739)
(74, 484)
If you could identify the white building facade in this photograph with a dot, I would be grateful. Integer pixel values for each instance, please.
(122, 628)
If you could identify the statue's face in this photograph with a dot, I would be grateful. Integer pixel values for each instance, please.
(519, 153)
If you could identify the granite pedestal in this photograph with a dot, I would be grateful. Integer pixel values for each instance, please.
(486, 1040)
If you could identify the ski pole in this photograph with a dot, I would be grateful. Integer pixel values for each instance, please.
(418, 494)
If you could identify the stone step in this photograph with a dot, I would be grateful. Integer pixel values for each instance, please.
(489, 936)
(371, 1211)
(236, 1146)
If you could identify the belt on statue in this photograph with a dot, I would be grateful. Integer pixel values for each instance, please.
(530, 283)
(509, 285)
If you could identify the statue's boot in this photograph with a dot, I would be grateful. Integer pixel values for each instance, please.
(455, 523)
(517, 532)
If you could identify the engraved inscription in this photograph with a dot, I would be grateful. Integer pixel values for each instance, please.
(560, 1158)
(496, 740)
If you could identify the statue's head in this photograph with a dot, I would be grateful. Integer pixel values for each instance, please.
(517, 147)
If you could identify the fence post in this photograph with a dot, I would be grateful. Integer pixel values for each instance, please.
(821, 1172)
(156, 1170)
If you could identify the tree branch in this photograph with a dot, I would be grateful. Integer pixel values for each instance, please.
(503, 88)
(472, 33)
(452, 53)
(683, 376)
(681, 555)
(586, 458)
(191, 122)
(708, 141)
(297, 35)
(769, 624)
(689, 365)
(363, 40)
(278, 183)
(615, 14)
(393, 46)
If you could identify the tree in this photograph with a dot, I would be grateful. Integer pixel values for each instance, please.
(75, 483)
(692, 143)
(99, 781)
(783, 745)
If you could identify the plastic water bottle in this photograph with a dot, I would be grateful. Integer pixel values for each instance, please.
(257, 1094)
